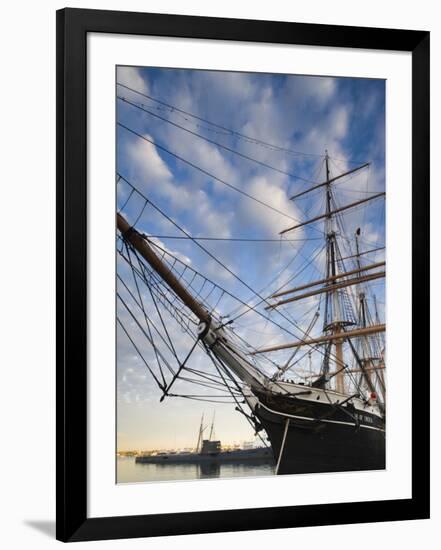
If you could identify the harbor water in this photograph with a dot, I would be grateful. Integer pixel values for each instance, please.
(128, 471)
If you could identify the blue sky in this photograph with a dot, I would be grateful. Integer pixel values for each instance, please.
(302, 114)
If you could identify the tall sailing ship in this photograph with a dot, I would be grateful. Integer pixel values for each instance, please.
(327, 416)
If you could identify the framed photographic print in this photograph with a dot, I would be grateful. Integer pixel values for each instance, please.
(229, 194)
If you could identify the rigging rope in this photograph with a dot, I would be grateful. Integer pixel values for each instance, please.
(222, 146)
(232, 132)
(262, 299)
(230, 185)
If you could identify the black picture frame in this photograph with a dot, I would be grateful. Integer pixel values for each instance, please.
(72, 28)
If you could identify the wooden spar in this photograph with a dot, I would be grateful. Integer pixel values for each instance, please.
(373, 329)
(328, 215)
(353, 281)
(363, 253)
(328, 181)
(328, 279)
(354, 371)
(142, 246)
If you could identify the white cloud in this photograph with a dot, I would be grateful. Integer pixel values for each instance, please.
(150, 168)
(328, 132)
(339, 122)
(322, 88)
(214, 221)
(146, 159)
(131, 77)
(275, 196)
(202, 154)
(235, 86)
(319, 90)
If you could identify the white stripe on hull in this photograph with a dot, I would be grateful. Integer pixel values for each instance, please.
(257, 402)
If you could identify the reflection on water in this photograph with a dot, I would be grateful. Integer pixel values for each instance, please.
(209, 470)
(128, 471)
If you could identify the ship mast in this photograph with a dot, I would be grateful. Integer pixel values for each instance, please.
(212, 426)
(200, 435)
(338, 312)
(332, 297)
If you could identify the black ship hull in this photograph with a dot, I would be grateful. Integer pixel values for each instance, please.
(316, 438)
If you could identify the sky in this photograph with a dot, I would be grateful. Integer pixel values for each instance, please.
(214, 186)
